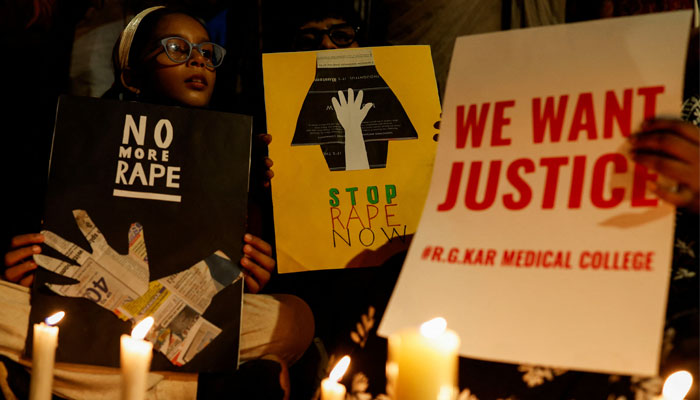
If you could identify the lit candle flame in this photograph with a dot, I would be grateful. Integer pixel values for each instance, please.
(677, 385)
(339, 369)
(54, 319)
(433, 328)
(142, 328)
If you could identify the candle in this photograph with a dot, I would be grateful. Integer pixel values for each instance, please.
(331, 389)
(676, 386)
(43, 355)
(136, 356)
(426, 360)
(392, 365)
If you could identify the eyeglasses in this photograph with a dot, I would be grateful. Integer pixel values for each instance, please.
(342, 35)
(179, 50)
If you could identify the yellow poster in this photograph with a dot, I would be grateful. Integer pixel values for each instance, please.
(354, 140)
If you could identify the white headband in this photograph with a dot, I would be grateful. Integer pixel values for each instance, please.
(127, 36)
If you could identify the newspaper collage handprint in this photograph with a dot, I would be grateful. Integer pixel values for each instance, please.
(120, 283)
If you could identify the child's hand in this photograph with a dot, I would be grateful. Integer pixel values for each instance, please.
(257, 262)
(19, 265)
(670, 147)
(268, 174)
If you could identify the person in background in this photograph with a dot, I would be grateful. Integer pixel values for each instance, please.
(327, 27)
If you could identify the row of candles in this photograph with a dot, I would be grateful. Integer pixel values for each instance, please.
(135, 358)
(427, 359)
(422, 364)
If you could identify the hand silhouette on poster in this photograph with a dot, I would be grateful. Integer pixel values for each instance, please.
(324, 115)
(120, 283)
(350, 115)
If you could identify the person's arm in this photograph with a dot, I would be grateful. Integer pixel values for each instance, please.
(257, 262)
(19, 265)
(671, 148)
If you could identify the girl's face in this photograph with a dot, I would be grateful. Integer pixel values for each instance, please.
(190, 83)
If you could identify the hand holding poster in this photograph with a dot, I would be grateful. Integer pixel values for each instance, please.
(353, 149)
(539, 243)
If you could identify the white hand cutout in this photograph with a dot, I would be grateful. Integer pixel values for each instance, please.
(350, 115)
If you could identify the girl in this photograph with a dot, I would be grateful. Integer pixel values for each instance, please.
(164, 56)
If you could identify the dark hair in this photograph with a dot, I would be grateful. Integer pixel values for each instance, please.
(307, 11)
(142, 38)
(318, 10)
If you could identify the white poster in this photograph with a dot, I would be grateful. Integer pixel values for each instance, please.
(539, 243)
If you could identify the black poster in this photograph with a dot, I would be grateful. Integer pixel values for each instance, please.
(157, 197)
